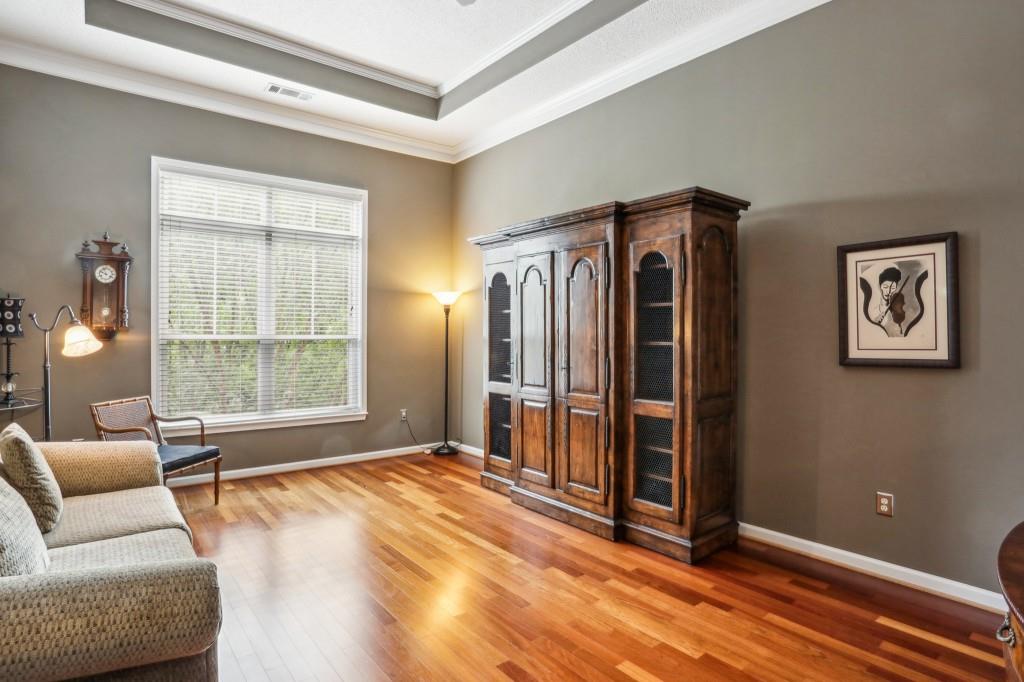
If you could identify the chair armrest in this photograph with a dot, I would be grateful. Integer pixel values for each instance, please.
(101, 427)
(202, 426)
(85, 622)
(87, 468)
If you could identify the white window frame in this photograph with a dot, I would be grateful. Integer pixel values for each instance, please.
(250, 422)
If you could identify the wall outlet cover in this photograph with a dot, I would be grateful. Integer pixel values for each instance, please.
(884, 503)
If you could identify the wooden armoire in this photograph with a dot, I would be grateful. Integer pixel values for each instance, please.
(610, 369)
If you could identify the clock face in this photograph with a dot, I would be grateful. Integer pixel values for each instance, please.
(105, 274)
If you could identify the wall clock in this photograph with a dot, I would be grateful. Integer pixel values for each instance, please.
(104, 286)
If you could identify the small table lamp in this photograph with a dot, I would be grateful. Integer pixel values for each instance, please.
(78, 341)
(10, 328)
(446, 298)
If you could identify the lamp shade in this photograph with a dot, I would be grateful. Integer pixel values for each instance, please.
(78, 341)
(10, 317)
(446, 297)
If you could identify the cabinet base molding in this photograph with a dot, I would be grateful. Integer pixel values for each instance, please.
(677, 547)
(581, 518)
(495, 482)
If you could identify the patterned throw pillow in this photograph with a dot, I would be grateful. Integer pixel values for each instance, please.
(22, 549)
(27, 470)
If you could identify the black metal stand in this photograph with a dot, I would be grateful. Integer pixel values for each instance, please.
(445, 448)
(47, 412)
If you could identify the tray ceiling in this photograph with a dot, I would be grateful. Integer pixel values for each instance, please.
(434, 78)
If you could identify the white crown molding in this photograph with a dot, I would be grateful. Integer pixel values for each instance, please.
(252, 35)
(686, 47)
(910, 577)
(517, 41)
(136, 82)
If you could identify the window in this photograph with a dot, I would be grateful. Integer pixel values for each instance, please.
(259, 297)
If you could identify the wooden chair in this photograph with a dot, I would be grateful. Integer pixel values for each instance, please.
(134, 419)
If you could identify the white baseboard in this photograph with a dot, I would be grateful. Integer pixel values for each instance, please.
(470, 450)
(270, 469)
(926, 582)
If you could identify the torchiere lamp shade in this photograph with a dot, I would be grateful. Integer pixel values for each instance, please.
(446, 297)
(79, 341)
(10, 318)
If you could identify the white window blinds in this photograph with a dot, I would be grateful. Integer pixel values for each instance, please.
(260, 298)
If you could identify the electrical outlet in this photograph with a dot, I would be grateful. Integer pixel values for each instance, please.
(404, 414)
(884, 503)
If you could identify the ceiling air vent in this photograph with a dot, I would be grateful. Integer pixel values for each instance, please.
(284, 90)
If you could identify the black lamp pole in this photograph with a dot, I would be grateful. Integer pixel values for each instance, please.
(47, 412)
(445, 448)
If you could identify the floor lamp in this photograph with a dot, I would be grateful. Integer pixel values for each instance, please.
(78, 341)
(446, 298)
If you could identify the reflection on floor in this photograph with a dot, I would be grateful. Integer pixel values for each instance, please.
(406, 569)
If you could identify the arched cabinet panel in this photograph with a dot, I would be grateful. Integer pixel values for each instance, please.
(583, 361)
(499, 320)
(533, 334)
(655, 477)
(499, 350)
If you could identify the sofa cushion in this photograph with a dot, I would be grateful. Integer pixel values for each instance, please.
(169, 544)
(22, 550)
(27, 470)
(90, 518)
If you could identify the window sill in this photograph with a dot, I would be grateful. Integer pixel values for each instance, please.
(256, 423)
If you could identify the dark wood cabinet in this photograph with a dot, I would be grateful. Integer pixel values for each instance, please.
(610, 376)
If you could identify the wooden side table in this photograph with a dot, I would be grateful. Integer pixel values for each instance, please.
(1011, 580)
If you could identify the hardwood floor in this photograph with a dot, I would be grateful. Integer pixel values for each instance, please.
(407, 569)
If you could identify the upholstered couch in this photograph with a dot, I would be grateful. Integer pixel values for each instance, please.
(123, 596)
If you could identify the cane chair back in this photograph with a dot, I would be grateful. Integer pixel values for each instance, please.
(124, 414)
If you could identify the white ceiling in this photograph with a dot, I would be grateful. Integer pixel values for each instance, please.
(430, 41)
(438, 43)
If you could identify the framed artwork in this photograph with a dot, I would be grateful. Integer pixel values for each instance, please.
(899, 302)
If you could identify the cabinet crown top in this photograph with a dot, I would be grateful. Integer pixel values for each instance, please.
(679, 199)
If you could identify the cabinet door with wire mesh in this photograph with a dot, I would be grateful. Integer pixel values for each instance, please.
(498, 280)
(583, 373)
(655, 473)
(532, 333)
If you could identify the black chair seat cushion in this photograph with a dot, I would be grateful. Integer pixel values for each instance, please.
(175, 457)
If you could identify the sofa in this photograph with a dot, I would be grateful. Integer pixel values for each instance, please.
(122, 595)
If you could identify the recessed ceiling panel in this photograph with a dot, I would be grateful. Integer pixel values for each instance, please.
(431, 41)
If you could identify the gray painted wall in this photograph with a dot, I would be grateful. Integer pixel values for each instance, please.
(860, 120)
(76, 161)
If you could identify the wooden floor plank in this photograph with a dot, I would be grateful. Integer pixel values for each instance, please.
(407, 569)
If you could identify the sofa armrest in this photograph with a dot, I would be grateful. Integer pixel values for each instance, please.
(87, 468)
(85, 622)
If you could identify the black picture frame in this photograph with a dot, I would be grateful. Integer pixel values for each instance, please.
(949, 240)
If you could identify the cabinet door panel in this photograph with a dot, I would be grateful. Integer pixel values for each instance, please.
(535, 441)
(583, 365)
(654, 476)
(497, 329)
(498, 326)
(533, 331)
(581, 304)
(534, 328)
(584, 447)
